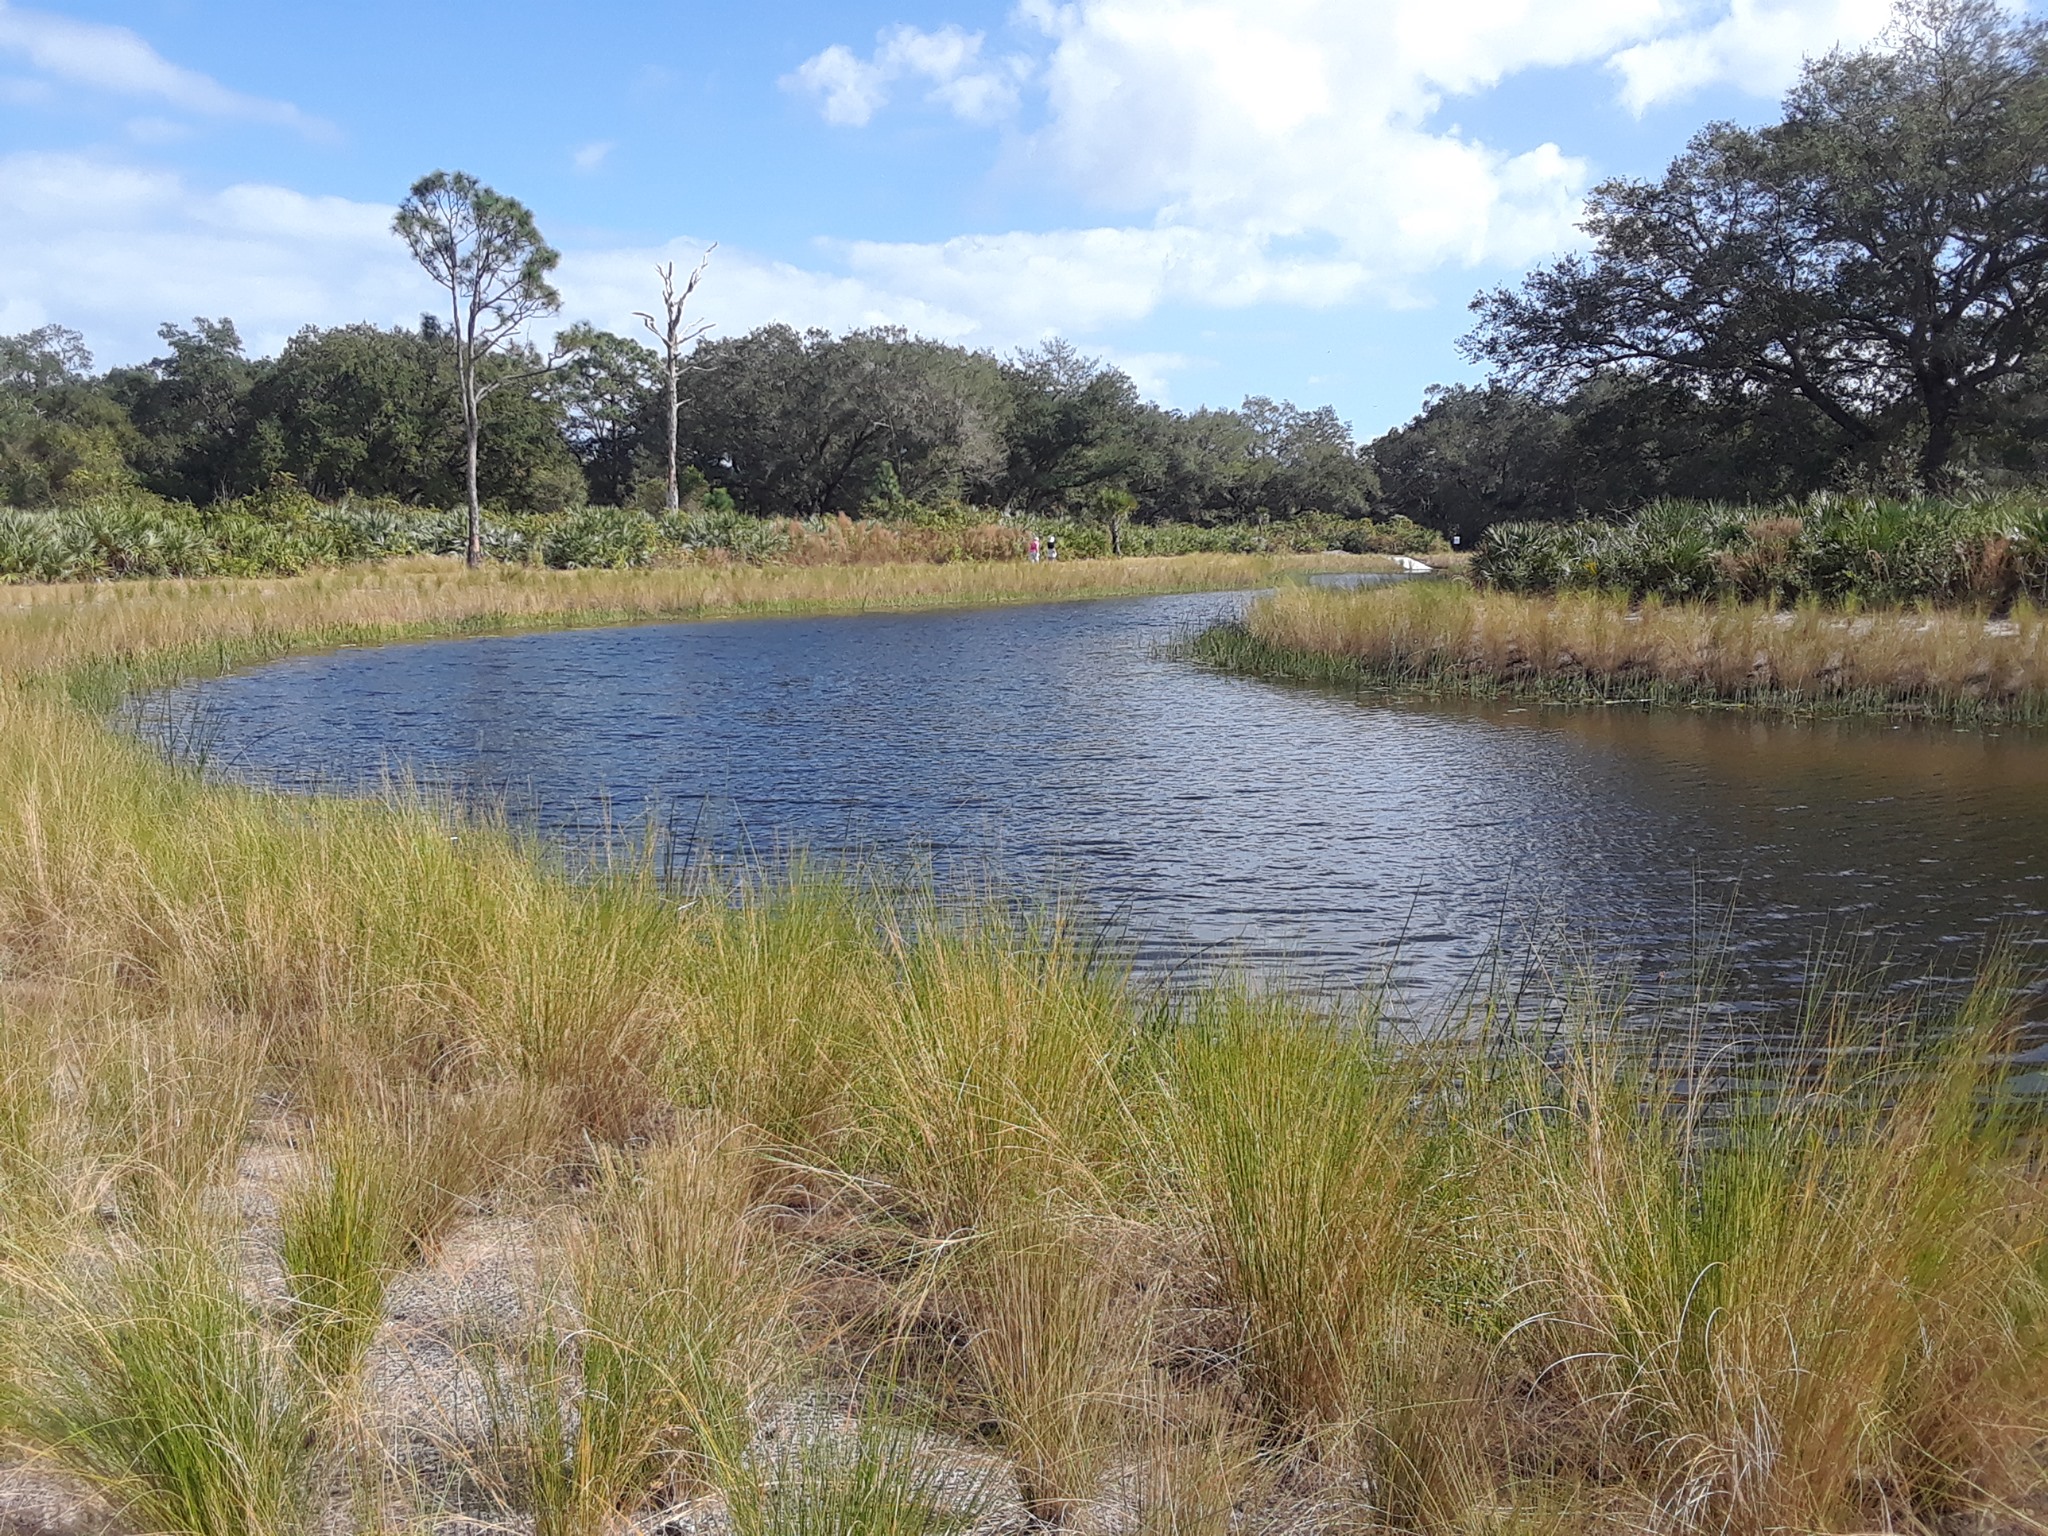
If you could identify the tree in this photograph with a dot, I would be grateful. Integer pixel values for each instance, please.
(1880, 255)
(800, 425)
(485, 249)
(1478, 456)
(190, 408)
(43, 359)
(363, 409)
(61, 435)
(1073, 424)
(675, 336)
(1305, 461)
(1110, 506)
(609, 396)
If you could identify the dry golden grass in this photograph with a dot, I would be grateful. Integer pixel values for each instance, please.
(1448, 637)
(167, 626)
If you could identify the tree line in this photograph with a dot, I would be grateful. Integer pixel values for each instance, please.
(788, 423)
(1855, 295)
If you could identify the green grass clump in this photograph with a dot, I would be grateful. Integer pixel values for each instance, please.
(1318, 1170)
(1794, 1298)
(876, 1480)
(151, 1378)
(637, 1389)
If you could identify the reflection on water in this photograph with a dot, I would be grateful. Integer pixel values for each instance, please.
(1058, 746)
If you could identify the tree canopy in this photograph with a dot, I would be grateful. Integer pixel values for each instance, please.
(1879, 256)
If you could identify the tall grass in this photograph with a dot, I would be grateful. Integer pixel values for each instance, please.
(1440, 637)
(1053, 1352)
(1803, 1300)
(638, 1390)
(102, 641)
(384, 1182)
(1137, 1262)
(151, 1378)
(1326, 1187)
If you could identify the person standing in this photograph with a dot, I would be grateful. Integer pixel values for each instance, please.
(1052, 546)
(1034, 549)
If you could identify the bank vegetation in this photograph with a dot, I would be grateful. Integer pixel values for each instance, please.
(1445, 638)
(360, 1169)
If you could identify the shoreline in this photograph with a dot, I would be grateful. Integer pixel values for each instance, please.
(99, 642)
(1442, 640)
(389, 1168)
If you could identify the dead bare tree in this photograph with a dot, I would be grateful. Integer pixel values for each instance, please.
(675, 335)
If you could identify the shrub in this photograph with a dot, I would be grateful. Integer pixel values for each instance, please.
(1524, 557)
(610, 537)
(1836, 548)
(722, 527)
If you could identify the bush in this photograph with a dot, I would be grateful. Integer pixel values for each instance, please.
(611, 537)
(720, 526)
(1833, 548)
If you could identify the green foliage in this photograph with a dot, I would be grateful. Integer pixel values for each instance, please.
(1311, 534)
(721, 527)
(611, 537)
(1878, 259)
(1834, 549)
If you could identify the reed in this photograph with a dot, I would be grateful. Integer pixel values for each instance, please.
(1442, 638)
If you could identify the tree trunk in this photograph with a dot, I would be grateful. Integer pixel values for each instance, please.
(475, 554)
(1941, 440)
(674, 499)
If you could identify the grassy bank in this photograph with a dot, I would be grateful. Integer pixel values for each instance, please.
(1447, 639)
(104, 639)
(361, 1173)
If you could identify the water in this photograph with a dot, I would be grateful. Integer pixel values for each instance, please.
(1302, 830)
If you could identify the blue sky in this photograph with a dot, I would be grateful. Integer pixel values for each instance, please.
(1227, 197)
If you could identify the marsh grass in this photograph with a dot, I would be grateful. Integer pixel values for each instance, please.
(101, 644)
(1446, 638)
(1486, 1282)
(1053, 1352)
(1793, 1300)
(150, 1376)
(678, 1296)
(38, 1175)
(1196, 1459)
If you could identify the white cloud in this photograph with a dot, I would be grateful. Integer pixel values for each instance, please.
(1228, 132)
(591, 157)
(115, 60)
(851, 90)
(115, 249)
(1756, 45)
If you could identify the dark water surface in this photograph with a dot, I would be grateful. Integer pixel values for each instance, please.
(1202, 815)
